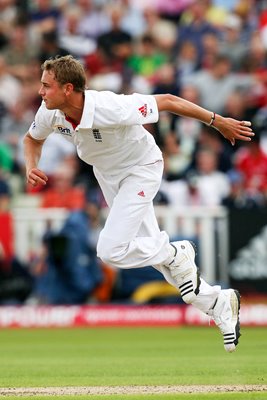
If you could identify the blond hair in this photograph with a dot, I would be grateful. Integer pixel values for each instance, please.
(67, 70)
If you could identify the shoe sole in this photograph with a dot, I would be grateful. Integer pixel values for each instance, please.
(193, 244)
(237, 309)
(229, 345)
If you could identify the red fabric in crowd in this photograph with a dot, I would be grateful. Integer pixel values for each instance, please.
(7, 235)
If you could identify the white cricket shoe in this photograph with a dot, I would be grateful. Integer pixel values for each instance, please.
(184, 270)
(225, 314)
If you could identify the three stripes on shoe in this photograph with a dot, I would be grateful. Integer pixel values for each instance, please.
(229, 338)
(186, 288)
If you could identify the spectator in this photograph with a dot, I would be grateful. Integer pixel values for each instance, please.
(6, 158)
(203, 185)
(223, 152)
(239, 198)
(8, 14)
(133, 19)
(172, 9)
(43, 17)
(97, 63)
(249, 12)
(220, 80)
(147, 59)
(152, 18)
(165, 82)
(256, 54)
(216, 13)
(207, 185)
(194, 25)
(186, 61)
(22, 110)
(116, 43)
(231, 44)
(188, 130)
(176, 162)
(260, 122)
(237, 105)
(49, 46)
(10, 87)
(70, 38)
(251, 161)
(67, 270)
(211, 49)
(6, 228)
(19, 114)
(228, 5)
(256, 65)
(15, 280)
(20, 52)
(164, 34)
(94, 19)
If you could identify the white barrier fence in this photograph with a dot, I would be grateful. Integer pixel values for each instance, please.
(30, 224)
(209, 226)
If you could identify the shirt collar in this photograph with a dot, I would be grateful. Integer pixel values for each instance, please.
(59, 114)
(88, 110)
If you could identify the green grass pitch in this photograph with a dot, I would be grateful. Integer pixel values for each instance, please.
(132, 356)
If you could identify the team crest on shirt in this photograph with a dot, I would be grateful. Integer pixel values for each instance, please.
(97, 135)
(63, 130)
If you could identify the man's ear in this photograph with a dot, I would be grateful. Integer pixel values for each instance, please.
(68, 88)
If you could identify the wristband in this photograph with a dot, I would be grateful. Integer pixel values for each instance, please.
(212, 119)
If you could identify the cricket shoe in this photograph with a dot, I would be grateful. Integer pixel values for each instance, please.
(225, 314)
(184, 270)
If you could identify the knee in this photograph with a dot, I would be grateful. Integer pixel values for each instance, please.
(111, 253)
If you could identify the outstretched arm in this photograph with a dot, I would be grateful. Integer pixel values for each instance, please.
(32, 154)
(230, 128)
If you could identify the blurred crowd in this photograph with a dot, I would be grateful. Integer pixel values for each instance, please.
(211, 52)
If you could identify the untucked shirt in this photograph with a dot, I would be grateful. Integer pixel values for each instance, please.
(110, 135)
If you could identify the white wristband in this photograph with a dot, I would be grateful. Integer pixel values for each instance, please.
(212, 119)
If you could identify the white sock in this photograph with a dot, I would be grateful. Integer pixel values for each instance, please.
(207, 296)
(172, 252)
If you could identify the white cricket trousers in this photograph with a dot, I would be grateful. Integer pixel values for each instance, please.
(131, 237)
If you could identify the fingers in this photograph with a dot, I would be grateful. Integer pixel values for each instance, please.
(37, 177)
(239, 137)
(246, 123)
(37, 181)
(239, 130)
(243, 137)
(245, 131)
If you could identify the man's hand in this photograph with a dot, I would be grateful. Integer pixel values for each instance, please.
(233, 130)
(36, 177)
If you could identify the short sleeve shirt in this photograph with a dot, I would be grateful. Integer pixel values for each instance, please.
(110, 135)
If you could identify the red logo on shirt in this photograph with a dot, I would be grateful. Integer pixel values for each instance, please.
(142, 194)
(143, 110)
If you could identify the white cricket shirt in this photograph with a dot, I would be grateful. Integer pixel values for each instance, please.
(110, 135)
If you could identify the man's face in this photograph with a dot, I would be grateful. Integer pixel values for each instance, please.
(53, 94)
